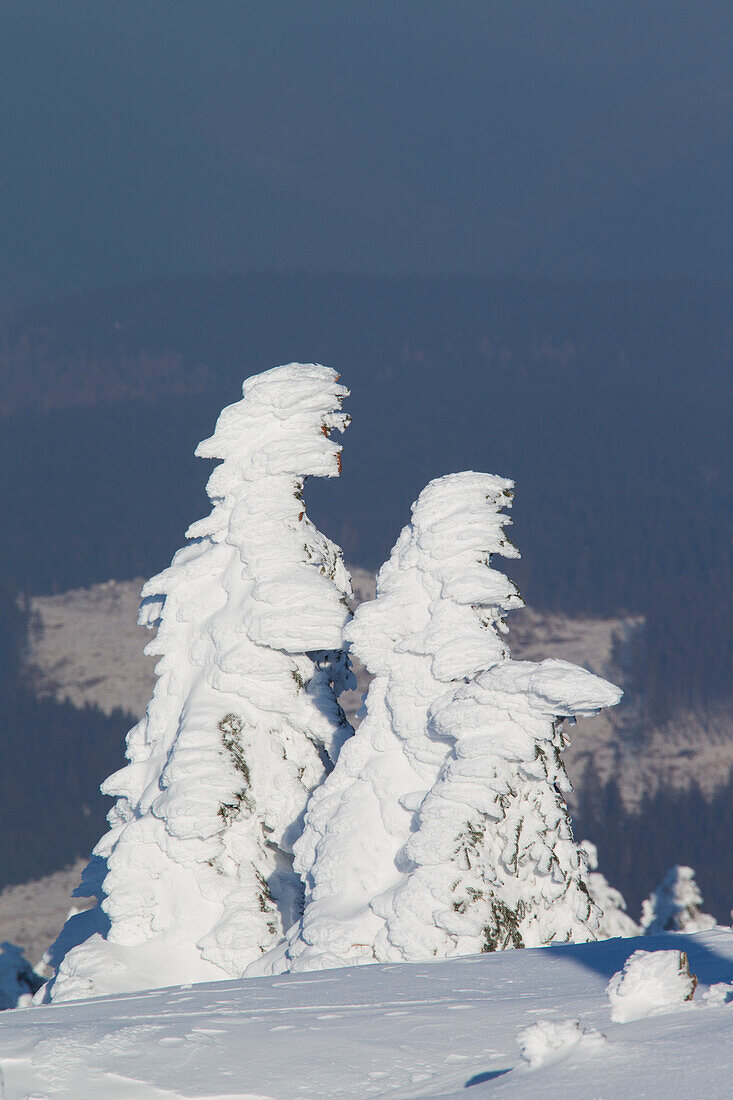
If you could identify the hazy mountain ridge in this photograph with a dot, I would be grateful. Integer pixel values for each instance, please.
(608, 403)
(164, 338)
(86, 647)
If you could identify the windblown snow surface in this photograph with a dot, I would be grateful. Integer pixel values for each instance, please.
(451, 1028)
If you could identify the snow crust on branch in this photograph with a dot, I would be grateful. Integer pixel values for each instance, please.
(397, 853)
(244, 721)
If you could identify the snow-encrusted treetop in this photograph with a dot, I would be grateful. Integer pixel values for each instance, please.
(244, 721)
(438, 597)
(269, 443)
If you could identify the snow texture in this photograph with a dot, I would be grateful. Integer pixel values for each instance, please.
(443, 1028)
(195, 876)
(412, 846)
(675, 905)
(550, 1041)
(651, 981)
(614, 920)
(721, 993)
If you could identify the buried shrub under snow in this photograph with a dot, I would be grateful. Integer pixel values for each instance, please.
(550, 1041)
(651, 981)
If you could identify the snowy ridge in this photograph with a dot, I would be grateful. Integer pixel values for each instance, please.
(197, 872)
(448, 1029)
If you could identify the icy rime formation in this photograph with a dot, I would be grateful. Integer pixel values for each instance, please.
(410, 847)
(675, 905)
(244, 721)
(492, 863)
(611, 904)
(436, 619)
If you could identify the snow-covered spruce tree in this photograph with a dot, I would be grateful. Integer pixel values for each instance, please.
(196, 871)
(614, 920)
(436, 622)
(491, 863)
(675, 905)
(437, 617)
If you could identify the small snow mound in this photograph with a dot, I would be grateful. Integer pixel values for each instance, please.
(650, 982)
(551, 1041)
(719, 994)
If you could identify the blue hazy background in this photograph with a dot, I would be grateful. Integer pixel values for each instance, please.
(179, 136)
(506, 222)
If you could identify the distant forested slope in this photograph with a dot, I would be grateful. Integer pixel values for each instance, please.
(608, 403)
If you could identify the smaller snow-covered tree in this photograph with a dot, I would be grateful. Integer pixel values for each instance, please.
(491, 863)
(675, 905)
(614, 921)
(443, 828)
(438, 618)
(18, 980)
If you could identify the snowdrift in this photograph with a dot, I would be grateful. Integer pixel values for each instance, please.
(451, 1028)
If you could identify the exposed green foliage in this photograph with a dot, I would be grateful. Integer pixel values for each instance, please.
(230, 727)
(502, 929)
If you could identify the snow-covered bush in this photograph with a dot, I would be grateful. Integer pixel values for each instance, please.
(675, 905)
(492, 863)
(550, 1041)
(443, 828)
(614, 920)
(650, 982)
(195, 874)
(18, 979)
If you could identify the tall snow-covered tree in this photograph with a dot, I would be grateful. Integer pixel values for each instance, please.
(437, 622)
(195, 875)
(614, 921)
(675, 905)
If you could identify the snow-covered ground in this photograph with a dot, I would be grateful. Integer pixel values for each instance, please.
(439, 1029)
